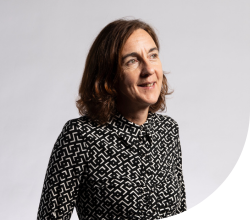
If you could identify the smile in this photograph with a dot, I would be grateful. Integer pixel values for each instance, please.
(147, 84)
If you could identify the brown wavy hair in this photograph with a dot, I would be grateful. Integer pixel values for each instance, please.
(98, 87)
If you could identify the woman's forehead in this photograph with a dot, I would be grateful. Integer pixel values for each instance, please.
(138, 40)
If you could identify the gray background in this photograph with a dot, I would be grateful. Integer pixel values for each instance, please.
(204, 45)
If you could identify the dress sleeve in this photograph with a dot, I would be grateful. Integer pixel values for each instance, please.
(179, 173)
(64, 175)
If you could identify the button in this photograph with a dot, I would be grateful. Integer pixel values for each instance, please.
(133, 176)
(134, 149)
(124, 154)
(136, 161)
(142, 154)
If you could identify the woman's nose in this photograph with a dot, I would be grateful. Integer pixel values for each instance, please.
(147, 69)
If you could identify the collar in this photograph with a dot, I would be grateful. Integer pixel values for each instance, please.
(130, 132)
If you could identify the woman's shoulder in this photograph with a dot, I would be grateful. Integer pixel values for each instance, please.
(165, 119)
(166, 125)
(82, 124)
(76, 123)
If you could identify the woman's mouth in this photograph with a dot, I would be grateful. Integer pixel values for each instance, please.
(147, 84)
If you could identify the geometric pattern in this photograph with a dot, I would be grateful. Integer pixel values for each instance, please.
(119, 170)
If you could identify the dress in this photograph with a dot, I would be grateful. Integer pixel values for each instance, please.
(119, 170)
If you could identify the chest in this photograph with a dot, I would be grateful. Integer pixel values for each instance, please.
(131, 174)
(130, 157)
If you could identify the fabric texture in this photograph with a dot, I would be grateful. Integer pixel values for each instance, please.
(119, 170)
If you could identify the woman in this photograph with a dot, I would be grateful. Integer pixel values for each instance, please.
(119, 160)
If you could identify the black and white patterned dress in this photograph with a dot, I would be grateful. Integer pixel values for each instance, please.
(119, 170)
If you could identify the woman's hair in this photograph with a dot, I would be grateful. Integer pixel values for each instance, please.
(98, 87)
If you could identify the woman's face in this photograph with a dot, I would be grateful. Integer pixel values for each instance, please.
(141, 78)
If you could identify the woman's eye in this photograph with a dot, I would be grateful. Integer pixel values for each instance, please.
(131, 62)
(154, 56)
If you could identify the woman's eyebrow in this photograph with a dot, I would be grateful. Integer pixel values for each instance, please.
(134, 54)
(152, 49)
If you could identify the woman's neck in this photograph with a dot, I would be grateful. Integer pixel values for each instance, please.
(135, 115)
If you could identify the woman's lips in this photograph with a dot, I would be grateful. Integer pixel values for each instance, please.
(147, 84)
